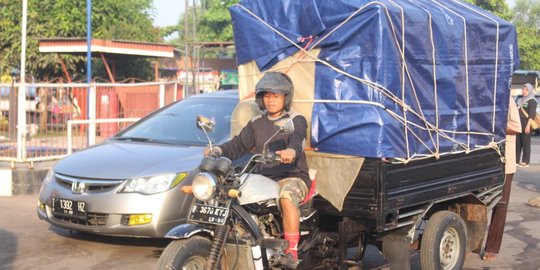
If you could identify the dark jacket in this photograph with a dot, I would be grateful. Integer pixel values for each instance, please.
(530, 108)
(253, 136)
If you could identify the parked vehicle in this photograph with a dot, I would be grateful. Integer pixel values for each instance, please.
(31, 98)
(441, 205)
(127, 185)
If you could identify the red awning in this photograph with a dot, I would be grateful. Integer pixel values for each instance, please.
(79, 46)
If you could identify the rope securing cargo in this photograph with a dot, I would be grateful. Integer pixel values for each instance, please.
(422, 134)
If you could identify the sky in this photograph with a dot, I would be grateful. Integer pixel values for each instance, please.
(168, 12)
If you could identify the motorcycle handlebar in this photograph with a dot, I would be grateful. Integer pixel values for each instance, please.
(268, 158)
(215, 152)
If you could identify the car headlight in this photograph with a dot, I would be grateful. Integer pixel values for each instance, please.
(204, 186)
(48, 178)
(153, 184)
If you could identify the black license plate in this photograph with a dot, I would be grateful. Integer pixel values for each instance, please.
(69, 208)
(208, 214)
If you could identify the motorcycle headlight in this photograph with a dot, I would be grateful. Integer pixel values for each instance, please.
(153, 184)
(204, 186)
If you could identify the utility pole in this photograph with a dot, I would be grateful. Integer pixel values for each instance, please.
(90, 92)
(195, 55)
(186, 48)
(21, 99)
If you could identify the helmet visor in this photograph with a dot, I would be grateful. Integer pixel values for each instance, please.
(272, 90)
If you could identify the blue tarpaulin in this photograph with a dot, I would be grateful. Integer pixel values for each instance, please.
(420, 78)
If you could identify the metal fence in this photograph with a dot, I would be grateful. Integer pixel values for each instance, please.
(48, 108)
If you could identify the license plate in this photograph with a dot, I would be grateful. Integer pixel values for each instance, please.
(69, 208)
(208, 214)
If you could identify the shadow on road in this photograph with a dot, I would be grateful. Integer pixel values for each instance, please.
(158, 243)
(8, 249)
(527, 178)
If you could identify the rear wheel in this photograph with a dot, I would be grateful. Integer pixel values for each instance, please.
(443, 243)
(189, 253)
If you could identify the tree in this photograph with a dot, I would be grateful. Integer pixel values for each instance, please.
(213, 22)
(529, 48)
(527, 13)
(497, 7)
(111, 19)
(526, 17)
(527, 20)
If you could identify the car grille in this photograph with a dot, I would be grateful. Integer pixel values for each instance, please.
(80, 185)
(92, 219)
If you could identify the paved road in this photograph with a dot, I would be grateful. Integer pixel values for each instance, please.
(29, 243)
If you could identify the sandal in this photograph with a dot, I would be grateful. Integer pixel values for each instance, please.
(489, 256)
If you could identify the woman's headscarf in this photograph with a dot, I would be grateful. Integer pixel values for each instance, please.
(525, 99)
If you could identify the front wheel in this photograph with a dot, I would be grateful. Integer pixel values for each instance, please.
(188, 253)
(443, 243)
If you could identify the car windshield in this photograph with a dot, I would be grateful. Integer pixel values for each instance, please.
(177, 123)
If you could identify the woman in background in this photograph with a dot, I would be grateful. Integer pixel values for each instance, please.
(527, 111)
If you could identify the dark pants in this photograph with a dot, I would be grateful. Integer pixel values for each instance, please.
(498, 219)
(523, 141)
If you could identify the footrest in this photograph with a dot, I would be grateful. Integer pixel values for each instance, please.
(275, 244)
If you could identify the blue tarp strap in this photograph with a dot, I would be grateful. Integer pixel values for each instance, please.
(496, 77)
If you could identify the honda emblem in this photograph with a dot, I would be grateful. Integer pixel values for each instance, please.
(78, 187)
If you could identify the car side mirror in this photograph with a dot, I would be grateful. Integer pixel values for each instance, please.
(205, 123)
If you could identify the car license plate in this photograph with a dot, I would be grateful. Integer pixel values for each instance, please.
(69, 208)
(208, 214)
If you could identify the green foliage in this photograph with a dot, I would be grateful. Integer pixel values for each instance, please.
(9, 31)
(527, 13)
(527, 20)
(497, 7)
(529, 47)
(111, 19)
(526, 17)
(213, 23)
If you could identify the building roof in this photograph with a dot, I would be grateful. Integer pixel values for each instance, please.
(113, 47)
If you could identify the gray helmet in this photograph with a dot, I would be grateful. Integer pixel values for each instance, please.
(275, 82)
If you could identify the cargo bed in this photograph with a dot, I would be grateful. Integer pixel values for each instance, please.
(392, 195)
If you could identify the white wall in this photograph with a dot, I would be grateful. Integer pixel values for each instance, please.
(5, 182)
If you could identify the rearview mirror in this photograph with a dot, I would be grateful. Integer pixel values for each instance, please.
(205, 123)
(285, 126)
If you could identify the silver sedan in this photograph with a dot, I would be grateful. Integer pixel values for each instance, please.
(130, 184)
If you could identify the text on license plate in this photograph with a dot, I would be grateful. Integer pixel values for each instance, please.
(69, 208)
(208, 214)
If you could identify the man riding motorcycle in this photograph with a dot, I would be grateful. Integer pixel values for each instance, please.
(273, 94)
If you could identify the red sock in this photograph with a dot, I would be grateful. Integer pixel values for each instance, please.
(293, 239)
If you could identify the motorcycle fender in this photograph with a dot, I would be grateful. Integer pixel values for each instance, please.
(186, 231)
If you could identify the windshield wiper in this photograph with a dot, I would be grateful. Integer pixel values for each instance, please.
(135, 139)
